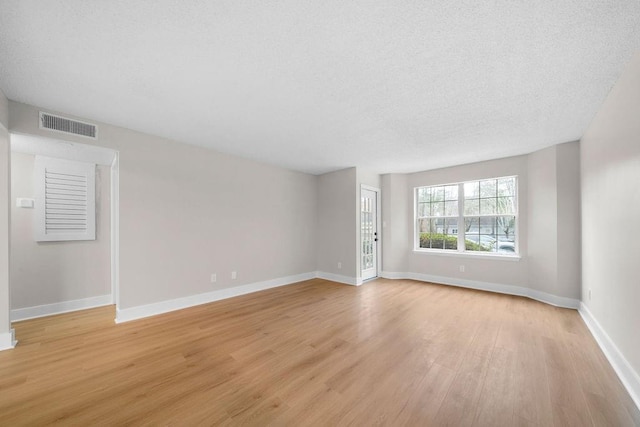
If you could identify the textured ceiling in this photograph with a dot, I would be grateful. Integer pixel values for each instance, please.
(391, 86)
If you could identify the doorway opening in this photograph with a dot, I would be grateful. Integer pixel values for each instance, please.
(52, 277)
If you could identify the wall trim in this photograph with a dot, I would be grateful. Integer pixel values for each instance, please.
(487, 286)
(353, 281)
(7, 340)
(628, 376)
(60, 307)
(142, 311)
(115, 228)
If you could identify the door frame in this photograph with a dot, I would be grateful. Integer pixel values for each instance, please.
(105, 156)
(115, 229)
(378, 230)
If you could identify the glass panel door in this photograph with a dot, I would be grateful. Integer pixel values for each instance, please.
(368, 234)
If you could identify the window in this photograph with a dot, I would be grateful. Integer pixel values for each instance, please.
(474, 216)
(65, 200)
(438, 217)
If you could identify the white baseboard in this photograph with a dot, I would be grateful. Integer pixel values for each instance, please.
(353, 281)
(7, 340)
(139, 312)
(486, 286)
(60, 307)
(393, 275)
(629, 377)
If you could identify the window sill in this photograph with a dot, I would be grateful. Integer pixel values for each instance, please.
(494, 256)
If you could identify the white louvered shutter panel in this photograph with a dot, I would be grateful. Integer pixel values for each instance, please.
(65, 200)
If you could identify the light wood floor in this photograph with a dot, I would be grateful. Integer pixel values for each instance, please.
(318, 353)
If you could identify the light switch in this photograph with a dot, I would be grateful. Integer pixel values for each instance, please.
(21, 202)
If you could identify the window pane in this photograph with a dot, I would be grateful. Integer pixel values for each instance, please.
(425, 241)
(437, 194)
(488, 188)
(507, 186)
(424, 225)
(424, 209)
(427, 232)
(437, 209)
(479, 243)
(471, 243)
(423, 195)
(450, 238)
(487, 206)
(488, 226)
(489, 242)
(474, 241)
(451, 208)
(472, 207)
(471, 189)
(451, 192)
(506, 228)
(439, 233)
(472, 225)
(506, 248)
(506, 205)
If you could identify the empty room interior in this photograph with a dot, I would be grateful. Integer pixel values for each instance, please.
(320, 213)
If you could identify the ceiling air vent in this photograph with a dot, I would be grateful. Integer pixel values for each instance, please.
(62, 124)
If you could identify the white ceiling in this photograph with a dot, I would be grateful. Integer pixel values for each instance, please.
(390, 86)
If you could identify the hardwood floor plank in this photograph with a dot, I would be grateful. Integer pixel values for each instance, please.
(497, 398)
(532, 397)
(422, 404)
(567, 396)
(461, 402)
(391, 352)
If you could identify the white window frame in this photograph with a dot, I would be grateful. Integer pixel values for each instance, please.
(461, 251)
(61, 166)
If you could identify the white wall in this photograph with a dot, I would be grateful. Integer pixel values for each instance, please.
(5, 323)
(396, 220)
(610, 170)
(554, 220)
(548, 228)
(337, 223)
(53, 272)
(493, 270)
(569, 239)
(542, 249)
(4, 110)
(187, 212)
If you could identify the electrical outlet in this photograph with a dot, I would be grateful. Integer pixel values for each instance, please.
(589, 294)
(462, 269)
(234, 275)
(214, 277)
(339, 265)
